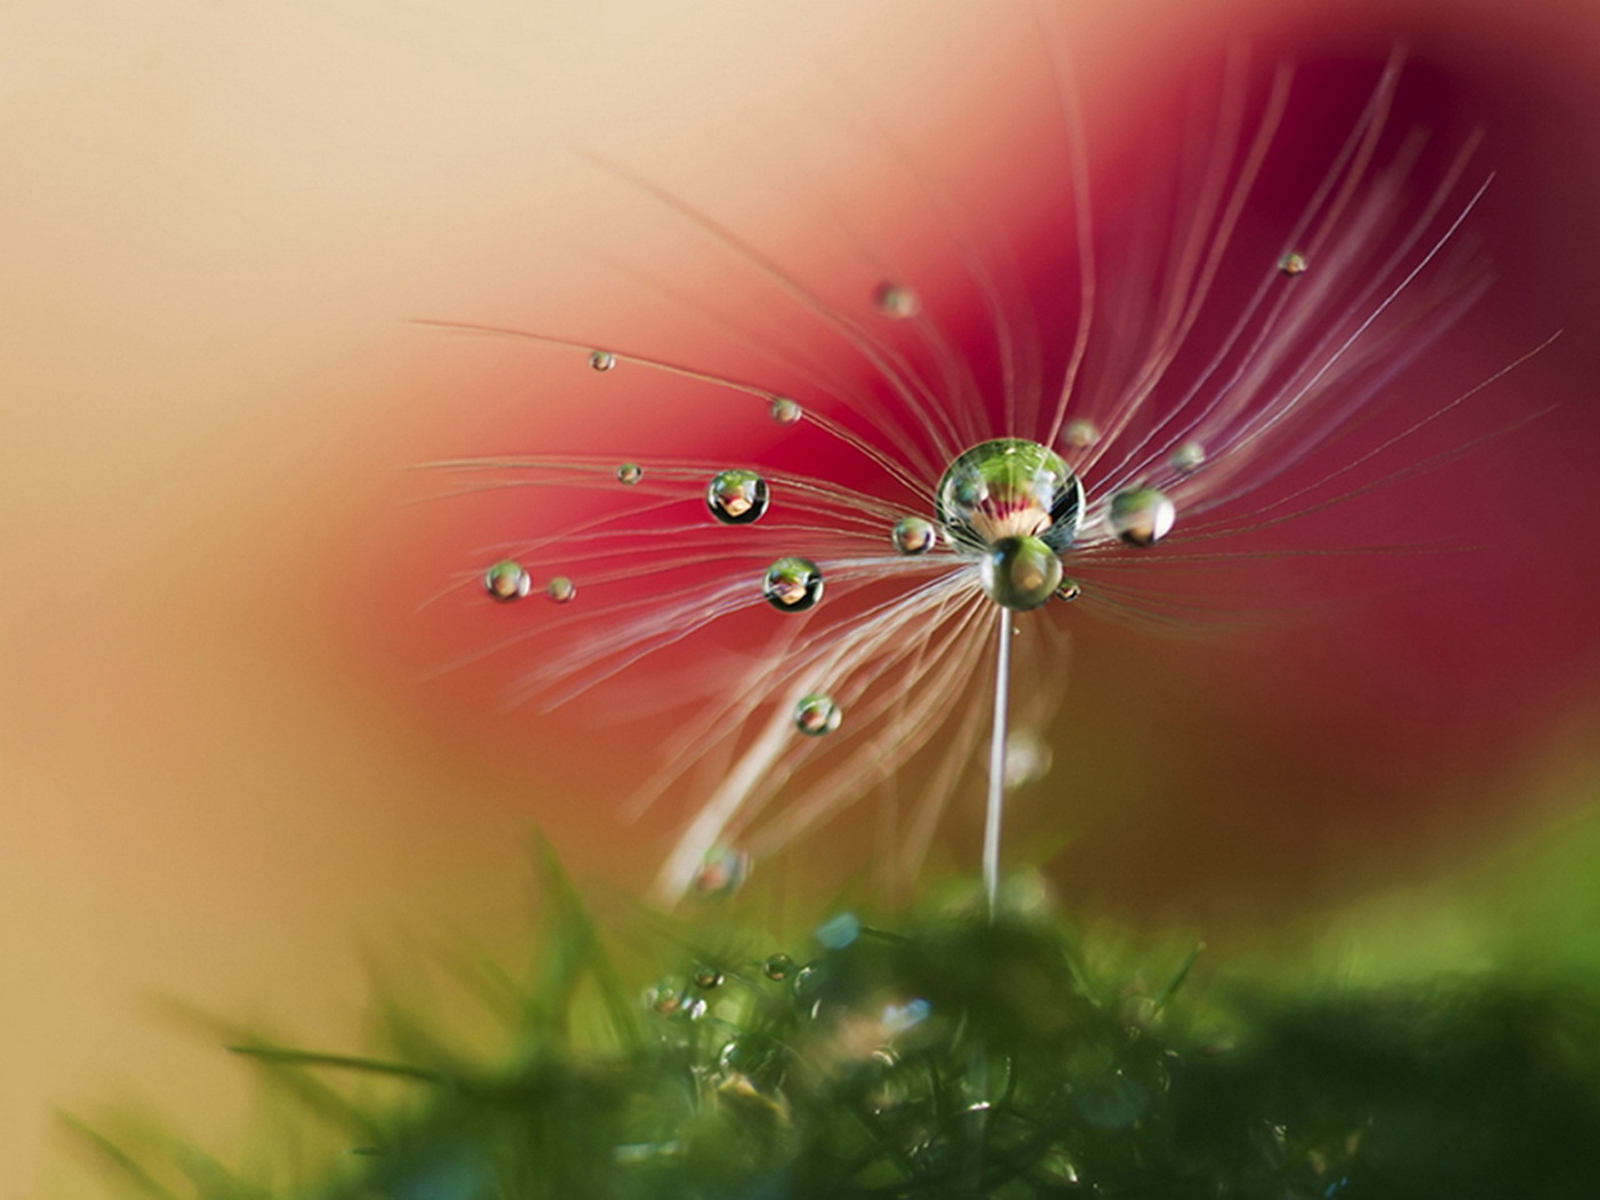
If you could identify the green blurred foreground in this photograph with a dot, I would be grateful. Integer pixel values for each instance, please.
(947, 1057)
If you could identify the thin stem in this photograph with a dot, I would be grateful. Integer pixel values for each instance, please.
(997, 764)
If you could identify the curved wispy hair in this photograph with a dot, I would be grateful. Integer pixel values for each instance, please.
(1163, 379)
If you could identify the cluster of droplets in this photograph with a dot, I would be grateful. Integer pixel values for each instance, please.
(508, 581)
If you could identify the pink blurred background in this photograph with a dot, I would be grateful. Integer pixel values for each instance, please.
(222, 773)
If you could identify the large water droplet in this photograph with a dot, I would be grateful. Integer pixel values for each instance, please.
(722, 871)
(1293, 264)
(736, 497)
(507, 581)
(817, 715)
(792, 584)
(560, 589)
(602, 360)
(784, 410)
(914, 535)
(1009, 488)
(896, 300)
(1020, 573)
(630, 473)
(1141, 516)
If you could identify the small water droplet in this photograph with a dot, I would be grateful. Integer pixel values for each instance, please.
(808, 983)
(792, 584)
(560, 589)
(1141, 516)
(507, 581)
(913, 535)
(1080, 433)
(1189, 457)
(1292, 264)
(737, 497)
(1069, 590)
(602, 360)
(778, 967)
(707, 977)
(665, 998)
(721, 873)
(784, 410)
(896, 301)
(630, 473)
(1020, 573)
(817, 715)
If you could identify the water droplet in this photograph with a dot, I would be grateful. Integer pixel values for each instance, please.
(560, 589)
(838, 932)
(778, 967)
(1069, 590)
(808, 983)
(1028, 758)
(792, 584)
(665, 998)
(507, 581)
(630, 473)
(784, 410)
(1020, 573)
(602, 360)
(1292, 264)
(707, 977)
(913, 535)
(736, 497)
(1189, 457)
(1141, 516)
(694, 1007)
(1080, 433)
(721, 873)
(1009, 488)
(897, 301)
(817, 715)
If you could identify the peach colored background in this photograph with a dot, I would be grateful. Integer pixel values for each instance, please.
(218, 776)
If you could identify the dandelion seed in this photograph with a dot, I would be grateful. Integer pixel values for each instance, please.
(968, 491)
